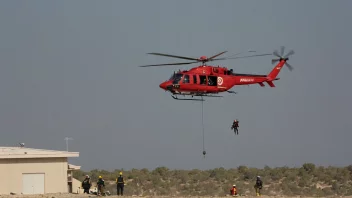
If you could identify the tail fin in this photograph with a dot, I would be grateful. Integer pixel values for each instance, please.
(276, 70)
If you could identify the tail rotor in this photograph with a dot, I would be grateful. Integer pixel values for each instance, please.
(282, 57)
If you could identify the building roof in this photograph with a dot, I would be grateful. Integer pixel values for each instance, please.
(23, 152)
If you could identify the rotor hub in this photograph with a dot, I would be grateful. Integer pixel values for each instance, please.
(203, 58)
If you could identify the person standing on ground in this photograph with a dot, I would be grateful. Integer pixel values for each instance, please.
(86, 184)
(101, 185)
(233, 190)
(258, 186)
(120, 182)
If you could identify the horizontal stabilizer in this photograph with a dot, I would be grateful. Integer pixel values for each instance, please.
(270, 83)
(261, 84)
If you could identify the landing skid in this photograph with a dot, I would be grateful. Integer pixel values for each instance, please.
(199, 95)
(174, 97)
(232, 92)
(214, 96)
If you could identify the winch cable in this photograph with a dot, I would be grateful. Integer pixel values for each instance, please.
(204, 152)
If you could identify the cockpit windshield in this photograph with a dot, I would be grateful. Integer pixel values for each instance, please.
(176, 78)
(172, 76)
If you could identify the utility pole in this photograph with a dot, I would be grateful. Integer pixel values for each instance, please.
(67, 139)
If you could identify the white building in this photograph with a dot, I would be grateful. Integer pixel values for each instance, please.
(35, 171)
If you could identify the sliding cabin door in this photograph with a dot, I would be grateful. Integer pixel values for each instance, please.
(203, 80)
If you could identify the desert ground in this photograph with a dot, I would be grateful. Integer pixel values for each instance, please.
(64, 195)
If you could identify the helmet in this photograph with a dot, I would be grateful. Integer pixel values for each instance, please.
(120, 173)
(234, 185)
(258, 176)
(100, 177)
(87, 176)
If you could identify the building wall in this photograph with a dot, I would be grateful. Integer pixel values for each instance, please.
(55, 170)
(76, 186)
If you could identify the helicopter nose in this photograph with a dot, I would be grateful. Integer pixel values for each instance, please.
(163, 85)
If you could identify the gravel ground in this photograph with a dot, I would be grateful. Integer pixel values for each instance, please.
(114, 196)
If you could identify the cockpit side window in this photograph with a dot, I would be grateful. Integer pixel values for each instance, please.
(186, 78)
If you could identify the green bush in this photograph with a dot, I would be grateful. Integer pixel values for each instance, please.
(217, 182)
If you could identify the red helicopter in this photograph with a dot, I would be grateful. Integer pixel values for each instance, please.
(206, 81)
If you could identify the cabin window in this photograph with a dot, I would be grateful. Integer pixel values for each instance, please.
(186, 78)
(194, 79)
(203, 79)
(212, 80)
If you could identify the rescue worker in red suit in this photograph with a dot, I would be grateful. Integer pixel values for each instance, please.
(233, 190)
(235, 126)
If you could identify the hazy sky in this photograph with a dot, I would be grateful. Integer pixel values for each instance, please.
(70, 69)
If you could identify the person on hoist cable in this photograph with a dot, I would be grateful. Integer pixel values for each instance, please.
(235, 126)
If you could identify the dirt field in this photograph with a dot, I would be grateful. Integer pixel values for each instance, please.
(86, 196)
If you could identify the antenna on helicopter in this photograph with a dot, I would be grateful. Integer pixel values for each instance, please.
(21, 145)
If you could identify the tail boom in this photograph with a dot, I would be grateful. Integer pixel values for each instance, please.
(276, 70)
(273, 74)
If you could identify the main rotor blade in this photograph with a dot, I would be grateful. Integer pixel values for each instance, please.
(211, 58)
(282, 50)
(242, 57)
(289, 53)
(248, 56)
(289, 66)
(234, 55)
(168, 64)
(173, 56)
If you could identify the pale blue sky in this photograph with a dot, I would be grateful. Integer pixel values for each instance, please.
(69, 68)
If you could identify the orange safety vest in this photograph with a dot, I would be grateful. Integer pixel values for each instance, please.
(233, 191)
